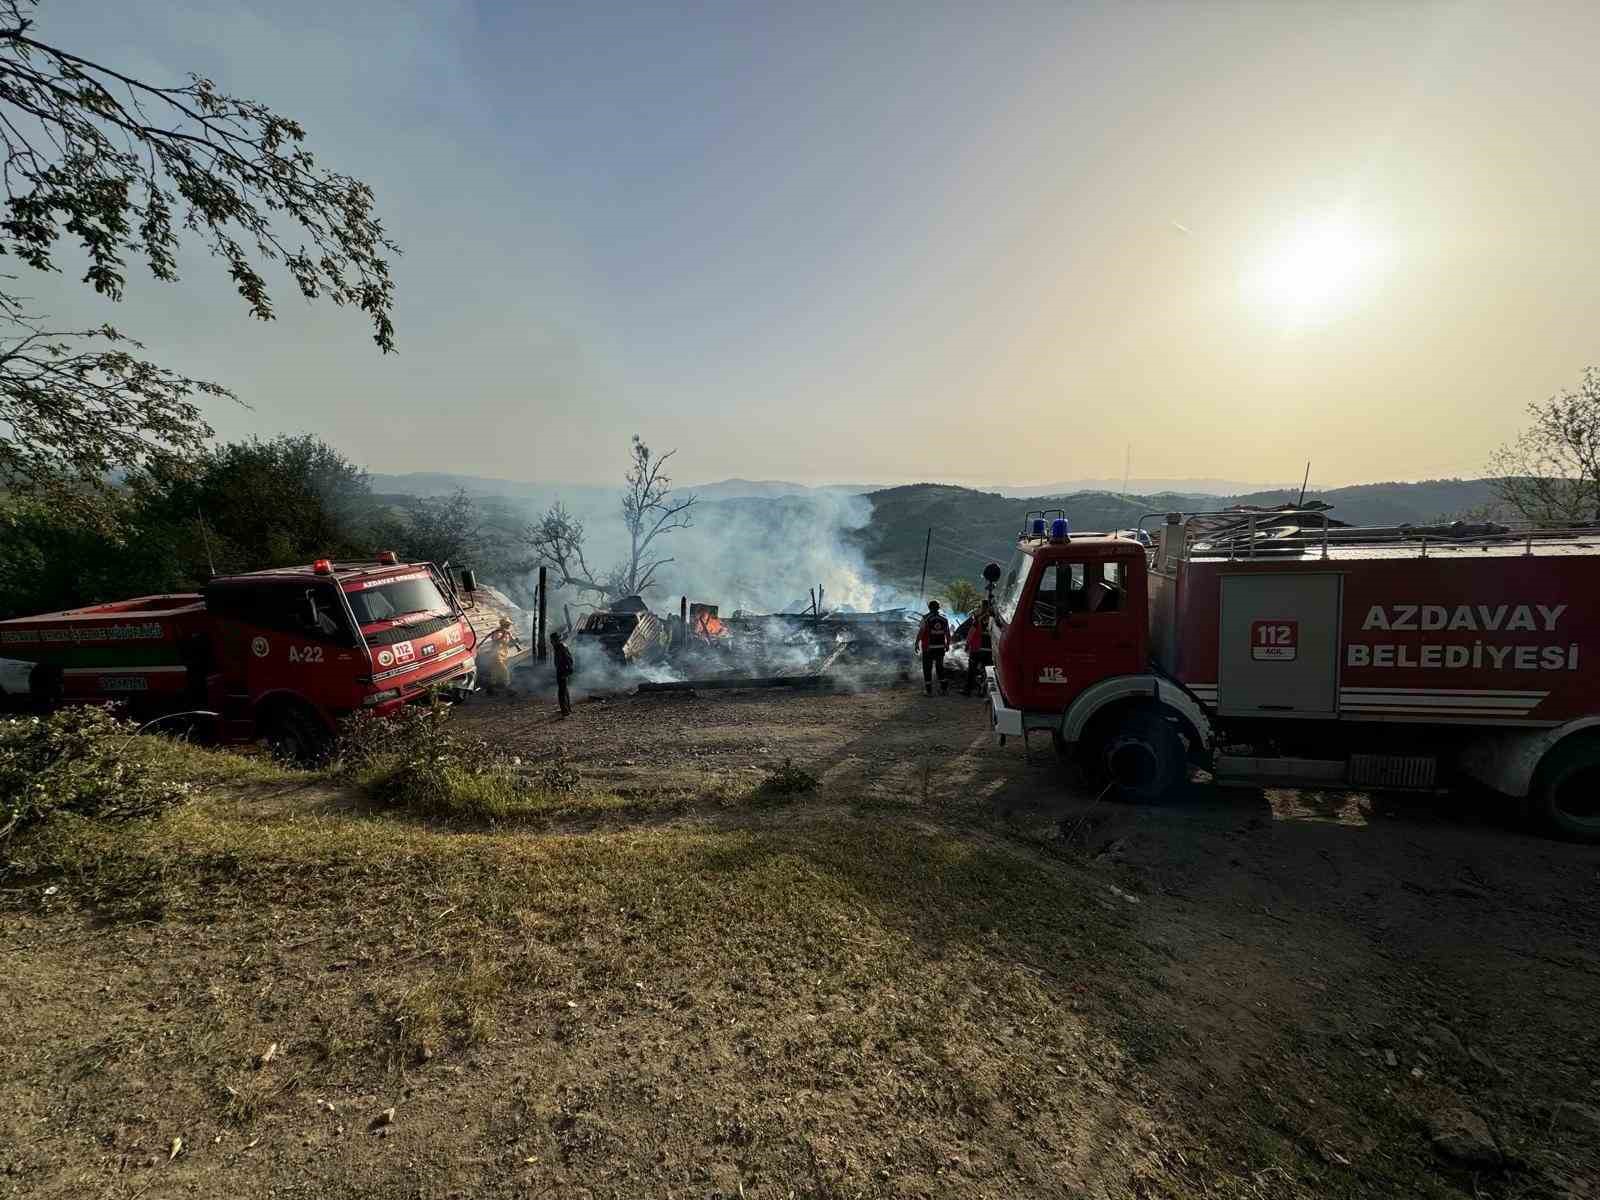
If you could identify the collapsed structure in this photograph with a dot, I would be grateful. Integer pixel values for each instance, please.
(701, 648)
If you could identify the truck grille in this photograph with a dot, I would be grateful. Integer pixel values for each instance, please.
(400, 633)
(1394, 770)
(432, 681)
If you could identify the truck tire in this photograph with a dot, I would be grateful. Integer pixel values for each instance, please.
(293, 733)
(46, 685)
(1567, 795)
(1141, 756)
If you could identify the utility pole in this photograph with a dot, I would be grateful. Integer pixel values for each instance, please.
(539, 641)
(922, 588)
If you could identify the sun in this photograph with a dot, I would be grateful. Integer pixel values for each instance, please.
(1315, 272)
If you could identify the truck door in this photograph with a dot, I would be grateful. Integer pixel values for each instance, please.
(1079, 625)
(1278, 645)
(270, 643)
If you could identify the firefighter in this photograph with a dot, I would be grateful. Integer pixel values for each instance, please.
(502, 641)
(564, 671)
(933, 639)
(976, 628)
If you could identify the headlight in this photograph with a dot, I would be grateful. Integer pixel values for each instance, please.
(380, 697)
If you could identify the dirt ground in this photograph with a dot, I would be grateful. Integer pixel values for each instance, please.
(1299, 930)
(946, 971)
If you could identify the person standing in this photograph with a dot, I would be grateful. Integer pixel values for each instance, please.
(933, 639)
(979, 654)
(564, 671)
(502, 641)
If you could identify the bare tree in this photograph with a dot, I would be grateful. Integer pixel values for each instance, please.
(649, 512)
(556, 540)
(1551, 474)
(126, 168)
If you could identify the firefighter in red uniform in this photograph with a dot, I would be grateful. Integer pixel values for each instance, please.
(933, 639)
(979, 656)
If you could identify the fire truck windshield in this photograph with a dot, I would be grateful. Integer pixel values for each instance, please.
(385, 601)
(1011, 589)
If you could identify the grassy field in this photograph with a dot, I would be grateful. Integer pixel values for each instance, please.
(755, 991)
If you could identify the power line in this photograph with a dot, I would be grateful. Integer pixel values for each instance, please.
(946, 544)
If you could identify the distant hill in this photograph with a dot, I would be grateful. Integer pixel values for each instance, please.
(1391, 503)
(973, 527)
(970, 527)
(769, 489)
(435, 483)
(1134, 487)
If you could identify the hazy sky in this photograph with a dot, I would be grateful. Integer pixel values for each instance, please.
(879, 241)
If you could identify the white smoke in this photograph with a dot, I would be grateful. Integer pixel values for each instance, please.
(750, 555)
(756, 555)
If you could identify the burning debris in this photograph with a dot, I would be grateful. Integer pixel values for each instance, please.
(627, 633)
(701, 648)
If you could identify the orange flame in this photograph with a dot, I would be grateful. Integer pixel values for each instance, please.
(708, 626)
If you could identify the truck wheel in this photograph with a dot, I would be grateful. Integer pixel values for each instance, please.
(1568, 795)
(46, 686)
(295, 735)
(1141, 757)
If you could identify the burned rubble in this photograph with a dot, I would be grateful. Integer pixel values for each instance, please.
(700, 648)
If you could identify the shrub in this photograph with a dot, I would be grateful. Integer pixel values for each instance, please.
(787, 780)
(415, 760)
(76, 760)
(559, 778)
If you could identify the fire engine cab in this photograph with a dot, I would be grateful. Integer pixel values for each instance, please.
(1280, 648)
(282, 653)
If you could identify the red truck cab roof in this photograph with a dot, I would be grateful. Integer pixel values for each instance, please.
(1083, 545)
(340, 571)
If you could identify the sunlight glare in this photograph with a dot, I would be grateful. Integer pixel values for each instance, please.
(1314, 272)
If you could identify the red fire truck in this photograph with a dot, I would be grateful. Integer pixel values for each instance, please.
(282, 653)
(1279, 648)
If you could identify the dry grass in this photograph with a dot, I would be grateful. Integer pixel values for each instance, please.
(806, 1002)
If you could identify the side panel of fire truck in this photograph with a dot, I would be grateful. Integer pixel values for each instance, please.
(148, 653)
(1278, 643)
(1472, 638)
(1376, 664)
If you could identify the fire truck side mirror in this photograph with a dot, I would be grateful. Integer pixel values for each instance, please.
(469, 580)
(991, 574)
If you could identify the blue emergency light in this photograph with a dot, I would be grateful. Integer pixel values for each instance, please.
(1058, 529)
(1038, 527)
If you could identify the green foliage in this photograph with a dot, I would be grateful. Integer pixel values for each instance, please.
(460, 529)
(71, 413)
(416, 761)
(244, 506)
(75, 761)
(127, 170)
(559, 778)
(257, 504)
(962, 596)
